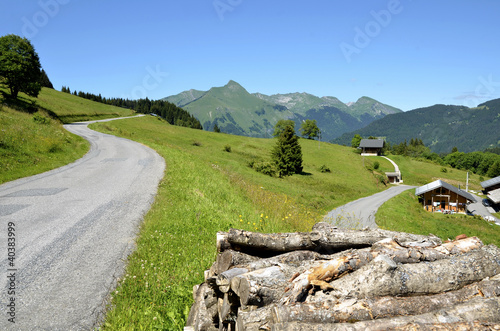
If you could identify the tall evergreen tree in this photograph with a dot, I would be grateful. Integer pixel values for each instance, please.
(287, 154)
(216, 128)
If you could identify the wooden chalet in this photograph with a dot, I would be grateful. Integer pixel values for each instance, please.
(440, 196)
(491, 188)
(371, 146)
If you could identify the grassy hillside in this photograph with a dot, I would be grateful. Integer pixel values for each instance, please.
(32, 139)
(207, 189)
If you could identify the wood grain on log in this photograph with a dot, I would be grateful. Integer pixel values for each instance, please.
(230, 258)
(329, 241)
(352, 260)
(383, 277)
(260, 287)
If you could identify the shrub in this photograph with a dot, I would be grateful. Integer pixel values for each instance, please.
(324, 169)
(265, 168)
(196, 143)
(444, 170)
(41, 119)
(227, 148)
(376, 165)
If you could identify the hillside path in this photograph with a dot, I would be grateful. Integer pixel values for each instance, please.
(74, 227)
(360, 214)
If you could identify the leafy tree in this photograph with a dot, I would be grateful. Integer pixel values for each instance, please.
(281, 125)
(216, 128)
(309, 129)
(287, 154)
(356, 141)
(454, 149)
(19, 66)
(494, 170)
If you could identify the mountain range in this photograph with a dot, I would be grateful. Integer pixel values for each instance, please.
(441, 127)
(236, 111)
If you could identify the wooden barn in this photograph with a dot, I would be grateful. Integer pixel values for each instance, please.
(440, 196)
(371, 146)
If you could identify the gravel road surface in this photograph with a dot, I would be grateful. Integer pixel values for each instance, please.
(74, 227)
(360, 214)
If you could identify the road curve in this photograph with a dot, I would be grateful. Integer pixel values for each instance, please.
(74, 227)
(360, 213)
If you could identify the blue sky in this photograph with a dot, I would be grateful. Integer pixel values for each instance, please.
(405, 53)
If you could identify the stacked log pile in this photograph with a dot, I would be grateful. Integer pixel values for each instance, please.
(335, 279)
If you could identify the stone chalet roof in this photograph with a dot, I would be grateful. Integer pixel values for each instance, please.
(439, 183)
(371, 143)
(491, 182)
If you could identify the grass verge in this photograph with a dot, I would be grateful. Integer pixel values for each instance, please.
(207, 189)
(210, 187)
(34, 143)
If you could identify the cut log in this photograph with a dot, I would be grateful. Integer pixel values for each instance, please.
(383, 277)
(261, 287)
(230, 258)
(476, 309)
(333, 236)
(333, 311)
(325, 272)
(328, 240)
(224, 279)
(253, 319)
(200, 317)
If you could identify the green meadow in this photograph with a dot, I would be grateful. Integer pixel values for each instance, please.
(209, 186)
(32, 138)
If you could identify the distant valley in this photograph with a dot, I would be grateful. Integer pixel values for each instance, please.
(441, 127)
(236, 111)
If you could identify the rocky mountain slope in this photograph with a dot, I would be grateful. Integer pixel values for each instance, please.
(237, 111)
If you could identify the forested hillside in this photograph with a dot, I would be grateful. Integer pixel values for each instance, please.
(167, 110)
(441, 127)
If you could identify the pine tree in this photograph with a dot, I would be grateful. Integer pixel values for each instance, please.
(287, 154)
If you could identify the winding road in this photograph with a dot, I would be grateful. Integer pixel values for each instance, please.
(360, 214)
(74, 227)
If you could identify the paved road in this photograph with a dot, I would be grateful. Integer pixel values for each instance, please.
(360, 214)
(477, 208)
(74, 227)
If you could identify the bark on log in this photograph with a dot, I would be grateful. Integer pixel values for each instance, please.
(261, 287)
(333, 311)
(253, 319)
(325, 272)
(331, 241)
(224, 279)
(383, 277)
(203, 310)
(230, 258)
(476, 309)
